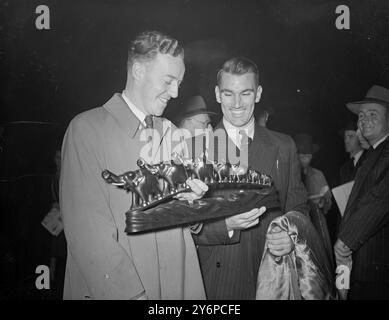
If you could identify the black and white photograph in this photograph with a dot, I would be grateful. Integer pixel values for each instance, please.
(212, 151)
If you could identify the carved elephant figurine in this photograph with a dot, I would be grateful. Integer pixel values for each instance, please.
(266, 180)
(174, 174)
(223, 171)
(146, 184)
(189, 165)
(204, 171)
(254, 176)
(238, 173)
(125, 180)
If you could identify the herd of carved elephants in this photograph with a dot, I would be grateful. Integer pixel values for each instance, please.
(145, 181)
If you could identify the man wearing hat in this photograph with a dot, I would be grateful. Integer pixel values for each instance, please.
(363, 232)
(354, 148)
(195, 116)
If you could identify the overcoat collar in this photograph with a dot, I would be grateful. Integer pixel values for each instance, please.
(127, 120)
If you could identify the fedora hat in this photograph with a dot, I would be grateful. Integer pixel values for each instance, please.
(376, 94)
(193, 106)
(304, 144)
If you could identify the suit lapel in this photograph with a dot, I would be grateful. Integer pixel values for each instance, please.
(362, 174)
(262, 150)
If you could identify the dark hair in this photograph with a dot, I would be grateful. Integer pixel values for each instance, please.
(238, 66)
(148, 44)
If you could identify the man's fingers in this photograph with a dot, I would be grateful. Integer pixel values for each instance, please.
(262, 210)
(201, 184)
(194, 186)
(245, 220)
(254, 213)
(279, 241)
(278, 247)
(278, 235)
(252, 223)
(197, 186)
(278, 253)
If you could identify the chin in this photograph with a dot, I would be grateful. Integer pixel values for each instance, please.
(158, 112)
(239, 123)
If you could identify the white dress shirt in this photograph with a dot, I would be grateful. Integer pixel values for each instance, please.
(137, 112)
(356, 157)
(234, 132)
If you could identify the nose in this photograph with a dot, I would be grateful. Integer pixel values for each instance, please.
(237, 102)
(173, 89)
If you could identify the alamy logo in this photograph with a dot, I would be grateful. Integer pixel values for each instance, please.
(343, 20)
(343, 277)
(43, 280)
(42, 22)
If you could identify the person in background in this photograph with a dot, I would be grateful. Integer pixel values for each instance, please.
(363, 233)
(195, 121)
(264, 114)
(319, 193)
(313, 179)
(194, 115)
(356, 153)
(58, 245)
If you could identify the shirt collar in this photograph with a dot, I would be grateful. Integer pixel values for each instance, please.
(137, 112)
(233, 132)
(357, 156)
(380, 141)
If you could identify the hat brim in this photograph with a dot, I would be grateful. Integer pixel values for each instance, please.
(355, 107)
(196, 112)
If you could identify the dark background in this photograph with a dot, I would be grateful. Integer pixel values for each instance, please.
(308, 69)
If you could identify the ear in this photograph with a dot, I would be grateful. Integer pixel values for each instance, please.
(138, 70)
(258, 95)
(217, 94)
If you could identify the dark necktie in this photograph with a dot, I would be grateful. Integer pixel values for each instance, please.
(351, 168)
(149, 121)
(245, 141)
(352, 164)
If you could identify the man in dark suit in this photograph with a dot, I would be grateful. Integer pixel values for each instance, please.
(230, 250)
(354, 148)
(364, 230)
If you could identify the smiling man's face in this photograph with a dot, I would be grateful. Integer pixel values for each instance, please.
(237, 95)
(373, 121)
(160, 82)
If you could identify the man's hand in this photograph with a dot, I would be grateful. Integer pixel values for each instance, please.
(198, 187)
(341, 250)
(279, 242)
(244, 220)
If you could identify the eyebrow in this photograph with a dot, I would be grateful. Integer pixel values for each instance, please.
(370, 110)
(173, 77)
(230, 91)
